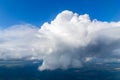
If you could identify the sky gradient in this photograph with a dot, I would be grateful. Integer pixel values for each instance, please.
(68, 38)
(37, 12)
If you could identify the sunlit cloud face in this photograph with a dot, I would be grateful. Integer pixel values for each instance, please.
(66, 42)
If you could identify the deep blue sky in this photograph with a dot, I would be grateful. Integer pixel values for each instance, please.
(37, 12)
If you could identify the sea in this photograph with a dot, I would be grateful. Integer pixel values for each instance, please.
(28, 70)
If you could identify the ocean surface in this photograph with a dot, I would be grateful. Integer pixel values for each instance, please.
(28, 70)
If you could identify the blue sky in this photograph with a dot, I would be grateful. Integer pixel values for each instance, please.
(37, 12)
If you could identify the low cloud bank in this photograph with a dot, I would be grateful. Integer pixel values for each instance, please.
(66, 42)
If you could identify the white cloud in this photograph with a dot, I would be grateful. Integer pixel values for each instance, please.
(67, 42)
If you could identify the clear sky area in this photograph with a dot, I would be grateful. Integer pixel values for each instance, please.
(37, 12)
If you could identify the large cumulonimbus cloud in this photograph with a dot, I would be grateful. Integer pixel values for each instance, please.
(66, 42)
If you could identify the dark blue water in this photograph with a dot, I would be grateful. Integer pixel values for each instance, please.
(28, 71)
